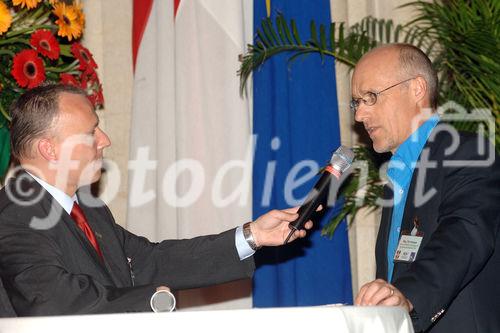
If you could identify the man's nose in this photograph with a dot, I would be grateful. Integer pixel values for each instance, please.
(103, 139)
(361, 112)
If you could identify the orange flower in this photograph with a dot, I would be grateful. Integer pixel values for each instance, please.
(69, 20)
(26, 3)
(5, 18)
(79, 10)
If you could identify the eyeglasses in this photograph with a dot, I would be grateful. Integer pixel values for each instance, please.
(370, 98)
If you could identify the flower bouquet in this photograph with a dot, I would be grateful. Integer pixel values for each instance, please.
(39, 42)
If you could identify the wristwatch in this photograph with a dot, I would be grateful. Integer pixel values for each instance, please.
(247, 233)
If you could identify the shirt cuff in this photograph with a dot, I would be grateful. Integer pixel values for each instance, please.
(244, 250)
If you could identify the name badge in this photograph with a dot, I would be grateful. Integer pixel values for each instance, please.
(409, 245)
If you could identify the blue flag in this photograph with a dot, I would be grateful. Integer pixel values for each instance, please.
(295, 119)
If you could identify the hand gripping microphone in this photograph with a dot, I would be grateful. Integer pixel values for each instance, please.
(341, 161)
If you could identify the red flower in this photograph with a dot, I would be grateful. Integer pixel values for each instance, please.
(68, 79)
(84, 56)
(27, 69)
(89, 81)
(45, 43)
(97, 99)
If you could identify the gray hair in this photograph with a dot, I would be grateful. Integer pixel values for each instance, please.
(414, 62)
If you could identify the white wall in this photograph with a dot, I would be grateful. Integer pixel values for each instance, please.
(108, 35)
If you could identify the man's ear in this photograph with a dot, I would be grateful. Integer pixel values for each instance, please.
(419, 89)
(47, 150)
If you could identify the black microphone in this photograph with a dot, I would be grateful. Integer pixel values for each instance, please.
(330, 179)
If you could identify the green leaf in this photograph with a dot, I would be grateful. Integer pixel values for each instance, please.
(4, 150)
(314, 34)
(281, 30)
(333, 44)
(286, 29)
(341, 40)
(263, 38)
(388, 30)
(295, 32)
(322, 37)
(271, 36)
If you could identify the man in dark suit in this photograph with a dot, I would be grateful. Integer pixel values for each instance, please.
(438, 246)
(61, 251)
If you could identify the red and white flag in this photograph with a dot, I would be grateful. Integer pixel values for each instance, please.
(191, 130)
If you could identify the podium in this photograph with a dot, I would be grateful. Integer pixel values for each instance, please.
(332, 318)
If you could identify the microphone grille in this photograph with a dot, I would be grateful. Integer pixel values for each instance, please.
(162, 301)
(342, 159)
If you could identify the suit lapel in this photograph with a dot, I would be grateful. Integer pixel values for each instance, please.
(383, 233)
(115, 262)
(115, 266)
(51, 206)
(78, 233)
(55, 214)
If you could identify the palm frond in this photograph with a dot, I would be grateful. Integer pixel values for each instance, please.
(468, 35)
(364, 184)
(347, 45)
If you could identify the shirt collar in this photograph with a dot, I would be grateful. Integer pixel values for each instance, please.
(62, 198)
(403, 161)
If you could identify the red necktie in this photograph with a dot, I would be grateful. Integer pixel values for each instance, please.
(81, 221)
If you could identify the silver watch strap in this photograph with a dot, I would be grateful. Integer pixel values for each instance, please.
(247, 233)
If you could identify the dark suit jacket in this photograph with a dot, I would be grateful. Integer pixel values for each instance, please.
(6, 309)
(454, 283)
(49, 268)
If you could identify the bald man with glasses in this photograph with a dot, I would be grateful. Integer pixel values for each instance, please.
(438, 246)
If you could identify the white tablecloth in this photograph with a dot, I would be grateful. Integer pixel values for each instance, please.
(338, 319)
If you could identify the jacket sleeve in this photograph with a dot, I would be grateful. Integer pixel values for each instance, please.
(186, 263)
